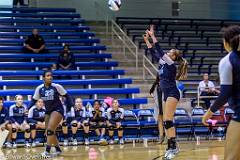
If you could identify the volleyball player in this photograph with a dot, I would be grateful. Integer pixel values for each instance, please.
(115, 116)
(98, 121)
(5, 122)
(168, 76)
(79, 120)
(18, 118)
(36, 119)
(229, 72)
(50, 93)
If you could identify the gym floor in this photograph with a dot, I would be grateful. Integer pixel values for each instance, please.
(206, 150)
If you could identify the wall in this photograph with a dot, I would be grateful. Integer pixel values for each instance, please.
(152, 8)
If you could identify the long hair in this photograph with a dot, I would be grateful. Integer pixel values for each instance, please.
(183, 66)
(231, 35)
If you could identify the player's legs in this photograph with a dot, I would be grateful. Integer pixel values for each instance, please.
(85, 125)
(15, 128)
(65, 132)
(232, 146)
(27, 133)
(52, 123)
(74, 127)
(120, 132)
(160, 128)
(111, 132)
(9, 128)
(33, 127)
(169, 110)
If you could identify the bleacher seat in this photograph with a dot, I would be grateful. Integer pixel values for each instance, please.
(131, 125)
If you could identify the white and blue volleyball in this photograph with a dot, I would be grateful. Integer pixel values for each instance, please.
(114, 5)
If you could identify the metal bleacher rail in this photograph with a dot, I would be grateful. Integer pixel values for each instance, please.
(116, 31)
(199, 97)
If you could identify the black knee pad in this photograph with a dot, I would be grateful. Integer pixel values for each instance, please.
(64, 124)
(74, 125)
(168, 124)
(120, 128)
(103, 126)
(28, 130)
(14, 130)
(50, 132)
(32, 126)
(111, 128)
(86, 124)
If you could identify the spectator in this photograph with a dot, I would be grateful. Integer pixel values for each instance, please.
(35, 43)
(5, 123)
(115, 116)
(66, 60)
(207, 88)
(18, 115)
(36, 119)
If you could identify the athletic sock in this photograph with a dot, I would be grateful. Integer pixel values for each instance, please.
(26, 140)
(86, 135)
(58, 149)
(48, 148)
(74, 136)
(172, 143)
(65, 136)
(14, 140)
(111, 137)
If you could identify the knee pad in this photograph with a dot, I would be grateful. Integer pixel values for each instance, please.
(14, 130)
(86, 124)
(32, 126)
(111, 128)
(28, 130)
(50, 132)
(74, 125)
(168, 124)
(120, 128)
(102, 126)
(64, 124)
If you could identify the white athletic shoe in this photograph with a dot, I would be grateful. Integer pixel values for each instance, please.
(27, 145)
(46, 155)
(171, 153)
(65, 142)
(121, 141)
(34, 144)
(8, 145)
(14, 145)
(75, 142)
(111, 142)
(86, 141)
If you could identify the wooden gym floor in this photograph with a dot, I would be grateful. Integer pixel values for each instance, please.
(208, 150)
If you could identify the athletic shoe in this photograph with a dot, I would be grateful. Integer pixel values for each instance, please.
(111, 141)
(171, 153)
(65, 142)
(57, 153)
(46, 155)
(121, 141)
(8, 145)
(34, 144)
(86, 141)
(27, 144)
(103, 142)
(14, 145)
(75, 142)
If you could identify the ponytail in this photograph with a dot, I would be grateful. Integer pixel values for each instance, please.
(183, 69)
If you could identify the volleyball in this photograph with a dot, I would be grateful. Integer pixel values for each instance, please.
(114, 5)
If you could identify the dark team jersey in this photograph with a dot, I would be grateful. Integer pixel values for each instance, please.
(97, 115)
(168, 69)
(78, 114)
(18, 114)
(35, 41)
(35, 115)
(4, 115)
(50, 96)
(115, 116)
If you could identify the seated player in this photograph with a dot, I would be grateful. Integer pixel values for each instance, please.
(98, 121)
(35, 43)
(5, 123)
(36, 117)
(18, 117)
(115, 115)
(79, 120)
